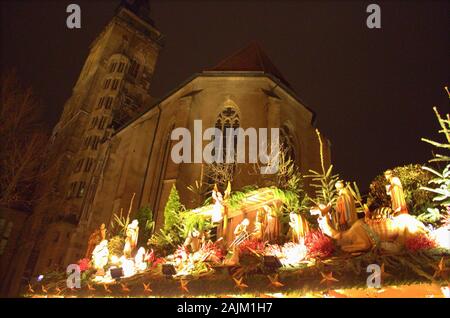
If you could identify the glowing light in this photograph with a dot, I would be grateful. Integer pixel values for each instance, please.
(128, 267)
(40, 278)
(289, 254)
(442, 237)
(114, 260)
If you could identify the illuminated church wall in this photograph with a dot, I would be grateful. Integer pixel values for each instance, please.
(138, 159)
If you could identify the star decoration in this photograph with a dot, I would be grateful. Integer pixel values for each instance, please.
(239, 284)
(274, 281)
(107, 288)
(125, 288)
(328, 278)
(440, 269)
(30, 289)
(147, 288)
(58, 290)
(183, 286)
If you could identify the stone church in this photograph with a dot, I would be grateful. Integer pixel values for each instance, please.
(112, 142)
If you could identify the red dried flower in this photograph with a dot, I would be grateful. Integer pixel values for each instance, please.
(250, 246)
(157, 261)
(84, 264)
(318, 244)
(214, 250)
(419, 242)
(150, 256)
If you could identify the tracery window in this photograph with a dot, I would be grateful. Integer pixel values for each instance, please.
(228, 118)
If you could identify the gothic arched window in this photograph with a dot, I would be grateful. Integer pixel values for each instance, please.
(228, 118)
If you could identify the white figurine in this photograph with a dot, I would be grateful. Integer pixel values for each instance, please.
(100, 257)
(139, 261)
(131, 239)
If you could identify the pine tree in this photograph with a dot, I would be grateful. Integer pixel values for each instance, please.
(172, 210)
(146, 224)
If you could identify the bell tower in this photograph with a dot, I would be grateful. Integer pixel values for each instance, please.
(113, 86)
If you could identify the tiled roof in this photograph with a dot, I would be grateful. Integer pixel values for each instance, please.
(249, 59)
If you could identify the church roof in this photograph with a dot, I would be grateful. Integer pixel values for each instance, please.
(251, 58)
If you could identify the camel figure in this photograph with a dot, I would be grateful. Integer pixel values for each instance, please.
(365, 234)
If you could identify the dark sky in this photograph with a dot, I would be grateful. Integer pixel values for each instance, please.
(372, 90)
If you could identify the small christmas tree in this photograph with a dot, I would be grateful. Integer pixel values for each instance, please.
(172, 210)
(146, 224)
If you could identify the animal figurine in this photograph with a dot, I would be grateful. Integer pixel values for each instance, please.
(366, 234)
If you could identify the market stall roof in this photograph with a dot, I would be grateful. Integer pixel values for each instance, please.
(254, 200)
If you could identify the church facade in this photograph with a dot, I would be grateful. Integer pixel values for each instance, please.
(113, 141)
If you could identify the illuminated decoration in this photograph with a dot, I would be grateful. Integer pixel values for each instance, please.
(100, 257)
(345, 207)
(367, 234)
(218, 208)
(127, 266)
(299, 227)
(114, 260)
(240, 233)
(442, 236)
(249, 251)
(132, 237)
(395, 190)
(262, 203)
(290, 254)
(139, 260)
(94, 239)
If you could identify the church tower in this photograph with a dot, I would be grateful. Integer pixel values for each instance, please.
(113, 87)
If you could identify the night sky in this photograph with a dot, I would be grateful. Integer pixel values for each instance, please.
(372, 90)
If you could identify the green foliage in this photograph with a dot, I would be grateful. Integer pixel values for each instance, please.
(354, 190)
(167, 239)
(146, 224)
(413, 178)
(324, 185)
(288, 176)
(172, 210)
(86, 276)
(119, 224)
(442, 181)
(432, 216)
(323, 182)
(199, 189)
(165, 242)
(441, 191)
(196, 221)
(236, 199)
(445, 129)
